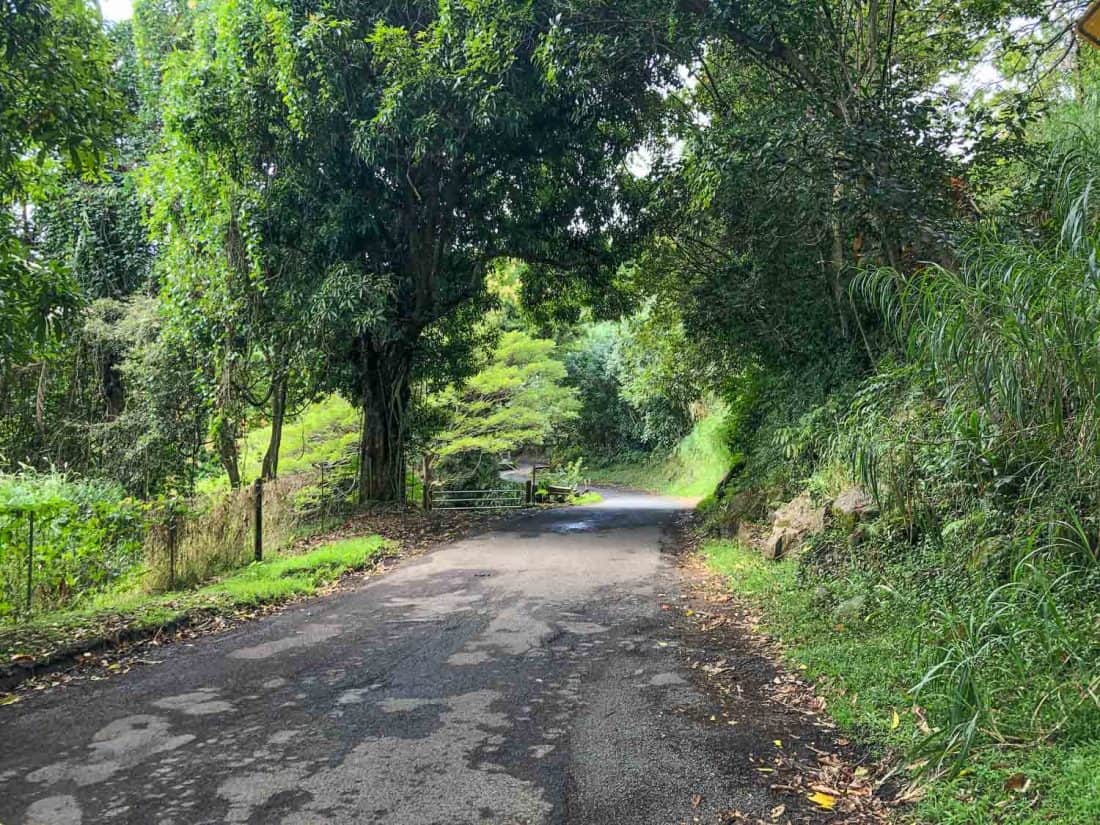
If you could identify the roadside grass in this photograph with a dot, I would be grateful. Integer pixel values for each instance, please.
(136, 613)
(691, 470)
(865, 669)
(291, 576)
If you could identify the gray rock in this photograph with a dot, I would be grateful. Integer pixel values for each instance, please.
(850, 610)
(854, 505)
(792, 524)
(740, 508)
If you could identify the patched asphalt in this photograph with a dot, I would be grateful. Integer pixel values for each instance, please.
(527, 675)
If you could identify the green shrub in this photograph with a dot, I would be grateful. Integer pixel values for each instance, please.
(87, 537)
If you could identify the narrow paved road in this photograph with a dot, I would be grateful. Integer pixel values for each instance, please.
(523, 676)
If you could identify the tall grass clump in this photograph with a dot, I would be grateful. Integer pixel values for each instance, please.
(91, 540)
(189, 542)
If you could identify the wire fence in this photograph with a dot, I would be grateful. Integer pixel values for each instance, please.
(47, 564)
(53, 557)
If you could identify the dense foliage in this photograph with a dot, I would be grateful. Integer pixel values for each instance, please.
(86, 536)
(518, 401)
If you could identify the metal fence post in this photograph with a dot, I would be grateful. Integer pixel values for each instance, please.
(30, 559)
(258, 519)
(173, 539)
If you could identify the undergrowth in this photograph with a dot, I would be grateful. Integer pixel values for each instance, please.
(276, 580)
(957, 625)
(867, 663)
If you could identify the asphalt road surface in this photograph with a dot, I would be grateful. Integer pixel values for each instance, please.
(526, 675)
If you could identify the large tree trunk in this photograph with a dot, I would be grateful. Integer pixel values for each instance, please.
(278, 414)
(384, 383)
(836, 255)
(227, 451)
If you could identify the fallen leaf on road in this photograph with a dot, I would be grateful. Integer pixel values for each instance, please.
(823, 800)
(9, 699)
(778, 811)
(1018, 782)
(696, 800)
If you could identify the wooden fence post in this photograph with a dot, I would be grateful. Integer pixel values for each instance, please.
(258, 519)
(426, 492)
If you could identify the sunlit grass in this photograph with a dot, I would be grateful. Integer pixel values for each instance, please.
(326, 431)
(296, 575)
(692, 470)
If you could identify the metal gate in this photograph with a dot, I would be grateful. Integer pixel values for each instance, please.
(493, 499)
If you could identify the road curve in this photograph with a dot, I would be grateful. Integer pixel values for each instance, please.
(521, 676)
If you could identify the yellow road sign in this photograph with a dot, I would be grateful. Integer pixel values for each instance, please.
(1089, 27)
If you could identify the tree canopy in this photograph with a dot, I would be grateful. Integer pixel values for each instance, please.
(58, 110)
(518, 401)
(383, 157)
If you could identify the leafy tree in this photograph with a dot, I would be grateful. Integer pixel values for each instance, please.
(426, 140)
(95, 230)
(606, 426)
(815, 143)
(237, 279)
(662, 374)
(58, 100)
(157, 440)
(517, 401)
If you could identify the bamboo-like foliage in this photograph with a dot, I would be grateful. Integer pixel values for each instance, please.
(1009, 345)
(1012, 335)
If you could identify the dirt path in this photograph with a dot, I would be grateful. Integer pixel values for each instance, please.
(562, 668)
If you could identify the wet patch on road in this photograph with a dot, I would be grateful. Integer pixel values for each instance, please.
(197, 703)
(310, 634)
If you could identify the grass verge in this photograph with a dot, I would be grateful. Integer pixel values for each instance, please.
(582, 499)
(865, 668)
(55, 637)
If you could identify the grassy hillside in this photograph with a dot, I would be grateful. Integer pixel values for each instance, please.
(866, 664)
(325, 431)
(692, 470)
(955, 627)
